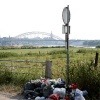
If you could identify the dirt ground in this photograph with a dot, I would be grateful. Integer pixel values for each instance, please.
(9, 96)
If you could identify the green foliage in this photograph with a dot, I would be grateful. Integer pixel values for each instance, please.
(91, 42)
(8, 77)
(82, 70)
(28, 47)
(8, 47)
(7, 54)
(98, 46)
(5, 77)
(87, 77)
(85, 51)
(81, 51)
(57, 52)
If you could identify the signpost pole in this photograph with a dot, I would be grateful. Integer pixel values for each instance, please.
(66, 30)
(67, 37)
(67, 57)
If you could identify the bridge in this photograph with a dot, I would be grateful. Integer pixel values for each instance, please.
(42, 39)
(38, 35)
(33, 39)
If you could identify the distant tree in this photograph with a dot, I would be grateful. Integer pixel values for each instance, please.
(91, 42)
(98, 46)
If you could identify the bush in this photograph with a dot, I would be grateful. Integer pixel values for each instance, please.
(57, 52)
(98, 46)
(5, 77)
(8, 77)
(85, 51)
(7, 54)
(87, 77)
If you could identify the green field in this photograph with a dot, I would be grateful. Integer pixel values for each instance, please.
(82, 69)
(23, 51)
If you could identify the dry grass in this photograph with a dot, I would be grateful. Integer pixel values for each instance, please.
(10, 89)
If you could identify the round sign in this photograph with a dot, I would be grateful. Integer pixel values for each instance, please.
(66, 15)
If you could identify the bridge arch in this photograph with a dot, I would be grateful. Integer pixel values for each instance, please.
(38, 34)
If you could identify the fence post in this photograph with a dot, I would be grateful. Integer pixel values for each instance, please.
(48, 69)
(96, 59)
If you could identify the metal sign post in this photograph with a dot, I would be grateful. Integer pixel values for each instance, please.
(66, 30)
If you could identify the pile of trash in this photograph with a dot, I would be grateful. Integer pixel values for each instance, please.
(51, 89)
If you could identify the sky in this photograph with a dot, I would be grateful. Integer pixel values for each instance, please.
(21, 16)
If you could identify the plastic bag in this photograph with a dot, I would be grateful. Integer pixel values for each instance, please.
(60, 91)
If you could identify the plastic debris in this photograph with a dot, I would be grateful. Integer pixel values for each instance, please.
(51, 89)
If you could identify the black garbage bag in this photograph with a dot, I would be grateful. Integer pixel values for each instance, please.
(47, 91)
(29, 86)
(39, 91)
(30, 94)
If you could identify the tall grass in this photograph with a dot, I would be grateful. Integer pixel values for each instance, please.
(7, 54)
(7, 77)
(82, 70)
(87, 77)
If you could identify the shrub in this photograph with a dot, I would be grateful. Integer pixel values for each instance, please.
(87, 77)
(57, 52)
(7, 54)
(98, 46)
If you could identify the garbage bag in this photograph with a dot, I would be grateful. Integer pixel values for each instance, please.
(54, 97)
(29, 86)
(78, 94)
(60, 91)
(47, 91)
(40, 98)
(79, 97)
(30, 94)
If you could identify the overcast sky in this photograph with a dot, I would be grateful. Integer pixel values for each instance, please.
(20, 16)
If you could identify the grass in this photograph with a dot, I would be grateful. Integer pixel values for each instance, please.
(10, 88)
(38, 50)
(82, 68)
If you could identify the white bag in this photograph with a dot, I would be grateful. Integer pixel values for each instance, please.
(80, 97)
(60, 91)
(78, 94)
(40, 98)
